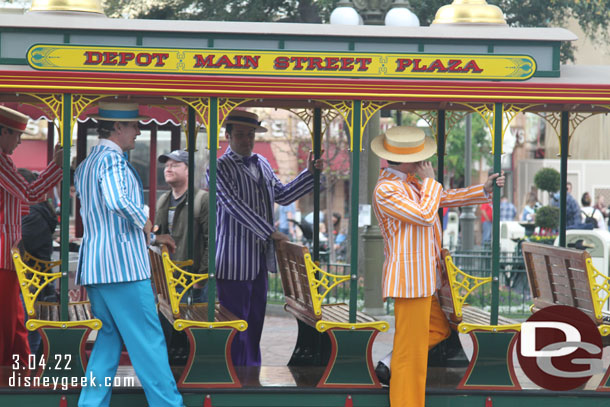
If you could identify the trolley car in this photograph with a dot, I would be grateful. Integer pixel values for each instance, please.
(58, 66)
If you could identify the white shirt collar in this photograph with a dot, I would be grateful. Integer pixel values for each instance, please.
(110, 144)
(399, 174)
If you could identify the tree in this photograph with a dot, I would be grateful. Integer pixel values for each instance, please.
(592, 15)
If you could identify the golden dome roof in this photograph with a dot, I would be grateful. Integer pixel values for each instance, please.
(469, 12)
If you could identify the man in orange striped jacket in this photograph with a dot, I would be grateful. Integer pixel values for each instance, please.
(407, 210)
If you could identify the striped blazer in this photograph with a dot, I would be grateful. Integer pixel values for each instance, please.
(408, 218)
(15, 194)
(245, 215)
(113, 249)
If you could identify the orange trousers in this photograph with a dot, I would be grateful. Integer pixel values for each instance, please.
(420, 325)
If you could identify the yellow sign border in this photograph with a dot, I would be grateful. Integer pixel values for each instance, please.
(281, 63)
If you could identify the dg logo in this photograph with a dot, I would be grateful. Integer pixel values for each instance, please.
(559, 348)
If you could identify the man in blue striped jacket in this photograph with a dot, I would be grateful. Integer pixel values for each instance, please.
(247, 189)
(113, 264)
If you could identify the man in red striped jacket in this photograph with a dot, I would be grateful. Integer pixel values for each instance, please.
(407, 210)
(15, 194)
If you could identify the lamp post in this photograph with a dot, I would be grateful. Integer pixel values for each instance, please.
(373, 12)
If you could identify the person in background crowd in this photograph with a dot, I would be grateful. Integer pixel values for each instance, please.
(590, 212)
(172, 217)
(573, 215)
(15, 194)
(486, 222)
(600, 205)
(247, 190)
(529, 210)
(508, 212)
(285, 215)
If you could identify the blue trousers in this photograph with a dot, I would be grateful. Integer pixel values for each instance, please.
(128, 314)
(247, 299)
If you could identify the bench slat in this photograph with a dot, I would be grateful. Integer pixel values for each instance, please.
(558, 276)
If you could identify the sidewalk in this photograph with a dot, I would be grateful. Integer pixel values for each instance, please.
(280, 335)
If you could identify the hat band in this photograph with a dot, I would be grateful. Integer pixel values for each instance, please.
(118, 114)
(246, 120)
(403, 150)
(7, 121)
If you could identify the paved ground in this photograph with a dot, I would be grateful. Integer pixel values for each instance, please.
(280, 334)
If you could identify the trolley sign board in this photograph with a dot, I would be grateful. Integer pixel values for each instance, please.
(281, 63)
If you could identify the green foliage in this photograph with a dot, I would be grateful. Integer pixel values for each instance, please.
(547, 179)
(592, 15)
(547, 217)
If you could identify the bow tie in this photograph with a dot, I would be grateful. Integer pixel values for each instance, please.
(253, 159)
(412, 179)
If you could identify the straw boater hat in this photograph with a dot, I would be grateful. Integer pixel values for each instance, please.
(118, 112)
(404, 144)
(14, 120)
(246, 119)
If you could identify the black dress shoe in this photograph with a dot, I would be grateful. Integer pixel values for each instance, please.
(383, 374)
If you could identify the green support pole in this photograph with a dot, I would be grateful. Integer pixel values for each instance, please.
(563, 189)
(440, 152)
(495, 238)
(356, 140)
(317, 147)
(213, 146)
(65, 205)
(192, 137)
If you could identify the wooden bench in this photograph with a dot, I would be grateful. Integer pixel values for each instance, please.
(491, 366)
(209, 363)
(326, 336)
(62, 340)
(560, 276)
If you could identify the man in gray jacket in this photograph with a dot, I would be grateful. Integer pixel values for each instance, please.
(172, 217)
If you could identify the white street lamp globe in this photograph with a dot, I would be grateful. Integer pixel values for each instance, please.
(345, 16)
(401, 17)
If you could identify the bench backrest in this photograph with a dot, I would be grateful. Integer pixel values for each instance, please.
(293, 272)
(160, 281)
(558, 276)
(445, 296)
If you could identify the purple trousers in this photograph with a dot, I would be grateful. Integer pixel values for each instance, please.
(247, 299)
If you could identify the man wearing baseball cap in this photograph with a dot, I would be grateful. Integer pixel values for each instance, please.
(406, 201)
(15, 194)
(172, 216)
(114, 266)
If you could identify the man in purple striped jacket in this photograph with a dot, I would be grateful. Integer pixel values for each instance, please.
(247, 189)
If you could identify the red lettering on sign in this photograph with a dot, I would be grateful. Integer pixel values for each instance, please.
(93, 57)
(437, 66)
(402, 64)
(251, 61)
(347, 64)
(472, 66)
(364, 62)
(143, 59)
(110, 58)
(125, 57)
(281, 63)
(298, 62)
(160, 58)
(417, 68)
(454, 65)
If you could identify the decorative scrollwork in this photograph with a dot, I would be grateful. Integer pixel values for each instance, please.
(346, 109)
(306, 115)
(553, 119)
